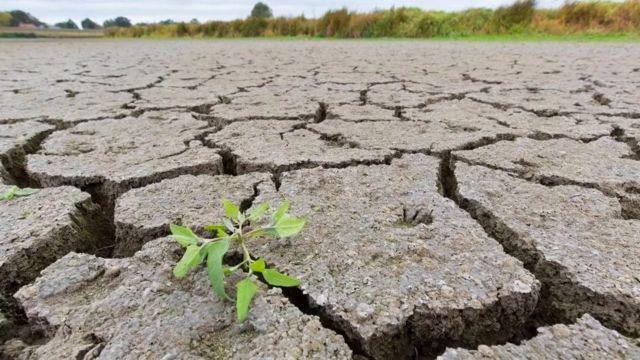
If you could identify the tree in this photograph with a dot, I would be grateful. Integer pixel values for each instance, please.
(88, 24)
(5, 18)
(69, 24)
(19, 16)
(261, 10)
(120, 21)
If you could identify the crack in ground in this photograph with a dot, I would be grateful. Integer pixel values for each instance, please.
(553, 276)
(363, 96)
(402, 334)
(547, 113)
(628, 208)
(321, 112)
(89, 228)
(626, 115)
(467, 77)
(619, 134)
(303, 302)
(15, 160)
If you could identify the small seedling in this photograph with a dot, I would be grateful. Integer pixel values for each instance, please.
(236, 228)
(15, 191)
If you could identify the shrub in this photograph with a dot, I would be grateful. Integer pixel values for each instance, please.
(516, 16)
(586, 14)
(334, 23)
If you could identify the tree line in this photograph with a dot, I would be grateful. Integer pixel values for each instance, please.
(17, 17)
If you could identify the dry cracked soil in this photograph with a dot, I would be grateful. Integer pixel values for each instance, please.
(464, 200)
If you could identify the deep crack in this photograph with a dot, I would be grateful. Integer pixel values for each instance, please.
(557, 282)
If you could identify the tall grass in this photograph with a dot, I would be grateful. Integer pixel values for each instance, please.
(519, 18)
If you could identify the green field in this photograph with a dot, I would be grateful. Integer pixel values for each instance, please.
(13, 32)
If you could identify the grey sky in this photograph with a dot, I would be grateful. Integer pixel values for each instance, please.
(52, 11)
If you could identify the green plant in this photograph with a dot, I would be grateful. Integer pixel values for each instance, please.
(236, 228)
(15, 191)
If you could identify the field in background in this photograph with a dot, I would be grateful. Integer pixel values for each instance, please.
(14, 32)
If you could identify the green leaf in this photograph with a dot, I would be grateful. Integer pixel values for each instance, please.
(281, 211)
(258, 212)
(219, 229)
(246, 289)
(275, 278)
(289, 226)
(189, 261)
(231, 210)
(258, 266)
(183, 235)
(15, 191)
(10, 193)
(202, 255)
(215, 253)
(270, 231)
(25, 191)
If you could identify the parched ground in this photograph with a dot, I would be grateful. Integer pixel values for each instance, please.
(464, 200)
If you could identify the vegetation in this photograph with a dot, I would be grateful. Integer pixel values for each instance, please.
(235, 231)
(69, 24)
(588, 20)
(5, 18)
(120, 21)
(261, 10)
(15, 191)
(12, 32)
(20, 17)
(522, 17)
(88, 24)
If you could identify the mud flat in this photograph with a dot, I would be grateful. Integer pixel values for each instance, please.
(464, 200)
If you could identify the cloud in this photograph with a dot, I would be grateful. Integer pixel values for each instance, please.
(52, 11)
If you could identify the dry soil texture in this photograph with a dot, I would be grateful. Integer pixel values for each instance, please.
(458, 196)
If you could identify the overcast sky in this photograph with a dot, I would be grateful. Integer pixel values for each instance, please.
(51, 11)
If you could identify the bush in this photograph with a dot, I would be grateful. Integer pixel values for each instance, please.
(334, 23)
(516, 16)
(627, 16)
(253, 26)
(585, 15)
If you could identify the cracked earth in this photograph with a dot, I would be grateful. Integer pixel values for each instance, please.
(464, 200)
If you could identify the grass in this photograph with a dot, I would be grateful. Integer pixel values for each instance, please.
(533, 37)
(520, 37)
(13, 32)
